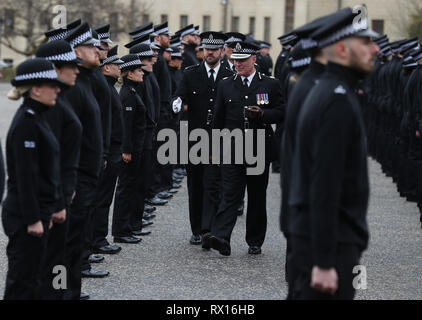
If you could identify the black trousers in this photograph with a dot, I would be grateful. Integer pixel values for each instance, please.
(212, 195)
(145, 171)
(103, 200)
(348, 257)
(235, 181)
(127, 202)
(78, 226)
(25, 254)
(55, 256)
(196, 196)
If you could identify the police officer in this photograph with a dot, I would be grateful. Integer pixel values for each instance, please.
(247, 88)
(189, 44)
(33, 163)
(127, 202)
(263, 59)
(198, 90)
(68, 131)
(85, 105)
(111, 70)
(232, 39)
(329, 182)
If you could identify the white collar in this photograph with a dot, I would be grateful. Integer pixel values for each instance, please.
(250, 78)
(230, 64)
(208, 68)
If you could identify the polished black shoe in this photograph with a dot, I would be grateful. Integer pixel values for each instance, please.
(95, 258)
(254, 250)
(129, 239)
(206, 241)
(177, 185)
(109, 249)
(221, 245)
(140, 233)
(164, 195)
(156, 201)
(92, 273)
(172, 191)
(149, 216)
(149, 209)
(240, 210)
(195, 240)
(84, 296)
(146, 223)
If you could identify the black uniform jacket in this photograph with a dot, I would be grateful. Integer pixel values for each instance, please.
(68, 130)
(33, 160)
(83, 101)
(162, 74)
(306, 82)
(233, 96)
(329, 184)
(116, 118)
(134, 118)
(189, 56)
(199, 93)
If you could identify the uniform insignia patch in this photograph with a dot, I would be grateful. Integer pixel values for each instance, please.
(340, 90)
(30, 112)
(29, 144)
(128, 108)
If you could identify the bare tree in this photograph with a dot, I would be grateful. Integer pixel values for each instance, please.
(33, 18)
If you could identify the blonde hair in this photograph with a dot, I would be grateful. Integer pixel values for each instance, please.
(123, 75)
(18, 92)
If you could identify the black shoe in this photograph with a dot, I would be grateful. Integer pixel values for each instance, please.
(149, 209)
(240, 210)
(172, 191)
(221, 245)
(156, 201)
(129, 239)
(92, 273)
(95, 258)
(109, 249)
(164, 195)
(140, 233)
(254, 250)
(206, 241)
(195, 240)
(149, 216)
(146, 223)
(176, 185)
(84, 296)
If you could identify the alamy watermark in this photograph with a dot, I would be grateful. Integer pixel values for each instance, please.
(360, 280)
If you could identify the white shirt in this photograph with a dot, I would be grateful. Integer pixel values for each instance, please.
(250, 78)
(230, 64)
(215, 70)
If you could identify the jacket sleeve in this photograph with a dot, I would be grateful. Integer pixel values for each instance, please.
(27, 157)
(330, 141)
(276, 112)
(2, 174)
(129, 105)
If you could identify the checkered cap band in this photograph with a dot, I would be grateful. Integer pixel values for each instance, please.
(59, 36)
(104, 36)
(68, 56)
(245, 51)
(301, 62)
(145, 53)
(176, 54)
(131, 64)
(110, 60)
(142, 33)
(215, 42)
(233, 39)
(161, 31)
(48, 74)
(81, 39)
(187, 32)
(309, 44)
(340, 34)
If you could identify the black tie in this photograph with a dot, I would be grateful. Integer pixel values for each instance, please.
(234, 68)
(245, 82)
(212, 76)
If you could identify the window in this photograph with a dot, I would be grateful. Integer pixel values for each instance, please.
(183, 21)
(378, 26)
(9, 20)
(114, 22)
(145, 18)
(235, 24)
(206, 23)
(252, 25)
(164, 18)
(267, 29)
(289, 16)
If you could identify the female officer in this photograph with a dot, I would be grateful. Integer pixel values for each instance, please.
(127, 202)
(32, 155)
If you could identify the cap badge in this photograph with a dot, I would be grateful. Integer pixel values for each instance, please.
(238, 47)
(211, 37)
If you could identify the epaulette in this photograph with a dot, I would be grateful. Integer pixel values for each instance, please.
(30, 113)
(192, 67)
(133, 89)
(271, 77)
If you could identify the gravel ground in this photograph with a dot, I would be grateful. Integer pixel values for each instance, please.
(164, 266)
